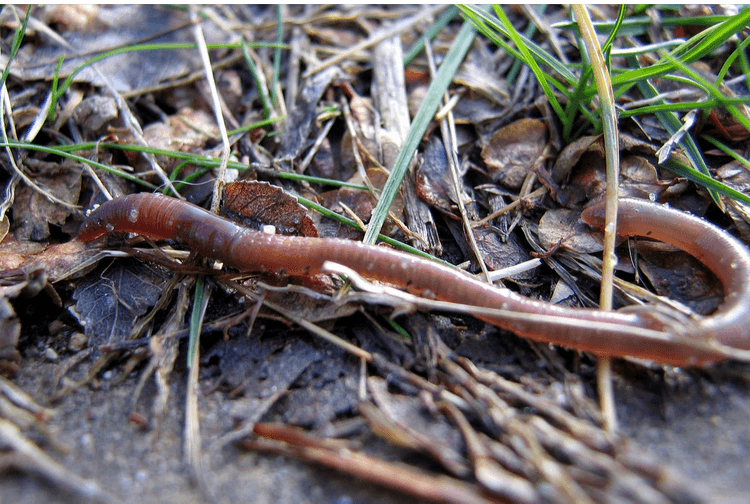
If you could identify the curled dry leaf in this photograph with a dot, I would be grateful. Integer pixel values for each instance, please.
(28, 286)
(72, 17)
(498, 253)
(638, 179)
(301, 121)
(513, 151)
(580, 169)
(572, 153)
(360, 203)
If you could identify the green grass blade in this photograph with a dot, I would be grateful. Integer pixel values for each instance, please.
(672, 124)
(714, 186)
(258, 83)
(692, 50)
(419, 125)
(529, 59)
(277, 54)
(196, 319)
(445, 18)
(15, 45)
(728, 151)
(80, 159)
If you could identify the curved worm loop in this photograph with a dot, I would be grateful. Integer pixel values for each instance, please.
(635, 332)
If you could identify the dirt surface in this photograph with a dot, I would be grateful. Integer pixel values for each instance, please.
(697, 423)
(693, 421)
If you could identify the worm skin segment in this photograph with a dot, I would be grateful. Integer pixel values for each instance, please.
(638, 332)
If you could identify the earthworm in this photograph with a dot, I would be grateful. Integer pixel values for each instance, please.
(642, 331)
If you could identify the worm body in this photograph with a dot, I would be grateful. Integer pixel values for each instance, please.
(638, 332)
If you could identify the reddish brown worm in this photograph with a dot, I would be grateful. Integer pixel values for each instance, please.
(641, 331)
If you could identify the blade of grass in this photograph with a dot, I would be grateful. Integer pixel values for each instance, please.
(258, 83)
(540, 75)
(672, 124)
(638, 25)
(682, 106)
(216, 104)
(196, 159)
(577, 101)
(714, 92)
(531, 29)
(354, 225)
(445, 18)
(612, 158)
(419, 125)
(728, 151)
(54, 94)
(15, 45)
(277, 54)
(706, 181)
(607, 47)
(80, 159)
(692, 50)
(196, 319)
(490, 28)
(740, 50)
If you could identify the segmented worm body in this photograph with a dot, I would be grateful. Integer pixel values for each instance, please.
(638, 331)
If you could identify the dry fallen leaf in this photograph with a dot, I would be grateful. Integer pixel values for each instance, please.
(110, 304)
(259, 203)
(513, 151)
(563, 227)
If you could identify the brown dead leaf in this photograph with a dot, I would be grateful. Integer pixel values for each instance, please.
(572, 153)
(302, 119)
(564, 227)
(359, 202)
(61, 261)
(477, 76)
(32, 211)
(496, 252)
(725, 125)
(401, 419)
(259, 203)
(4, 227)
(582, 163)
(10, 327)
(185, 131)
(737, 176)
(363, 119)
(513, 151)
